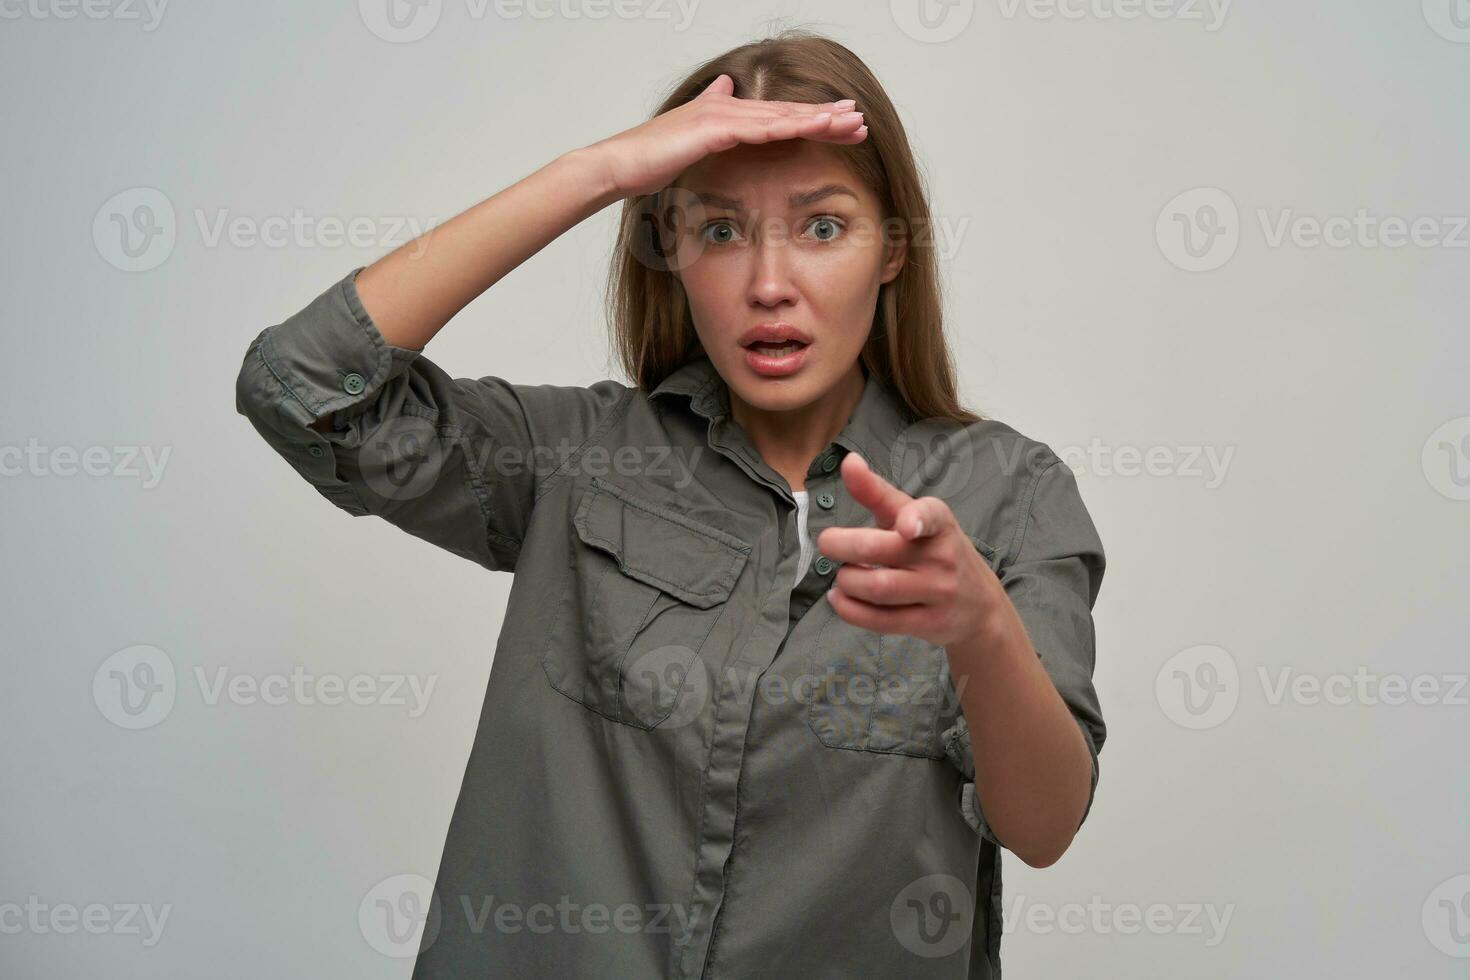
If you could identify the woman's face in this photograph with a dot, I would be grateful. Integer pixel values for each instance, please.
(781, 237)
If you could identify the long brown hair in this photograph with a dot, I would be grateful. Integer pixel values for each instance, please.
(906, 348)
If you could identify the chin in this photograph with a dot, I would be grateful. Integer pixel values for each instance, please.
(777, 394)
(767, 398)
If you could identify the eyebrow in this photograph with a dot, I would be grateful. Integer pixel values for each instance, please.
(797, 199)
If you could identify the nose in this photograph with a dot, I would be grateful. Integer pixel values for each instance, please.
(771, 267)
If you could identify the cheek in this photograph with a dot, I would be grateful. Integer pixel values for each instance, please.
(842, 286)
(712, 298)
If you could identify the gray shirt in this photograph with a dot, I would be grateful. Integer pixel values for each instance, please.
(687, 765)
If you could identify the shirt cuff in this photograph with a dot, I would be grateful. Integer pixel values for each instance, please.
(328, 357)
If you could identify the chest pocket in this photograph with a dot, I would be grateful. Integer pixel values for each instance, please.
(645, 587)
(879, 692)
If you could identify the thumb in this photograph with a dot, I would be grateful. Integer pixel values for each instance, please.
(722, 85)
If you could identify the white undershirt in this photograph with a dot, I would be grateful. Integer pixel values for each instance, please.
(807, 548)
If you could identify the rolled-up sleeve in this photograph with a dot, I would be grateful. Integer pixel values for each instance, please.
(1051, 569)
(458, 462)
(1053, 582)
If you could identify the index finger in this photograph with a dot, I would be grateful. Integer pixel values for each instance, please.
(872, 491)
(842, 105)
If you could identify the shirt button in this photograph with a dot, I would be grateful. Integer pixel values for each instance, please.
(825, 500)
(829, 462)
(353, 383)
(315, 450)
(823, 564)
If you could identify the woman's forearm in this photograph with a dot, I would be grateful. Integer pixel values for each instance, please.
(1033, 771)
(413, 291)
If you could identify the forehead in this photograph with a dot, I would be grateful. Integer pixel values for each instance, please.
(764, 174)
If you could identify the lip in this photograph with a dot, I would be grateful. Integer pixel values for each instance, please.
(774, 332)
(775, 366)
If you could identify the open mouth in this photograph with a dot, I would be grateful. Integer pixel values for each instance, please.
(774, 348)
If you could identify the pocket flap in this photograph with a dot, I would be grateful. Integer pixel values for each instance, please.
(986, 551)
(688, 559)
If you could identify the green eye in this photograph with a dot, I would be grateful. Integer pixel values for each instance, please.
(715, 226)
(828, 222)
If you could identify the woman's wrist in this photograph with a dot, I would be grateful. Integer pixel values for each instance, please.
(593, 171)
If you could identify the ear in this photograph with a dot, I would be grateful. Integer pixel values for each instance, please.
(894, 258)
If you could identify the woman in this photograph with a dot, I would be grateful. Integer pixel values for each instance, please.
(795, 643)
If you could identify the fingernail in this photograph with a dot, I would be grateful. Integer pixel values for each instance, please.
(845, 103)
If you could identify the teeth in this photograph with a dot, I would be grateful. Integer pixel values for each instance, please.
(775, 351)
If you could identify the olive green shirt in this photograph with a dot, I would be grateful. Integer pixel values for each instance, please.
(687, 765)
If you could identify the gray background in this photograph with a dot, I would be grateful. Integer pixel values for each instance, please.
(1327, 545)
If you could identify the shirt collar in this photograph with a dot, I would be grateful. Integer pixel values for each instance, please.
(873, 430)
